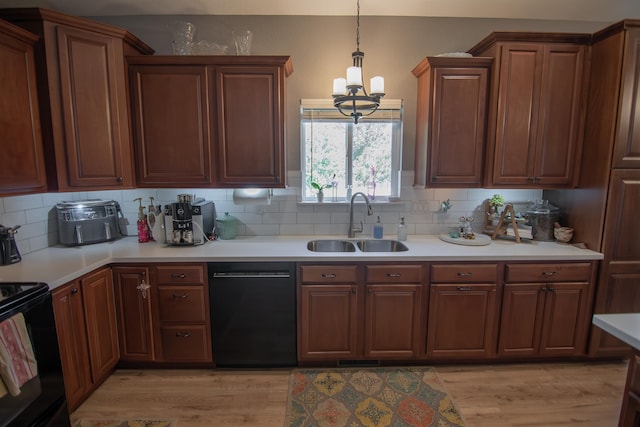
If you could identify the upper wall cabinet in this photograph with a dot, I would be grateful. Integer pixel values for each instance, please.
(82, 91)
(536, 114)
(207, 121)
(22, 167)
(451, 121)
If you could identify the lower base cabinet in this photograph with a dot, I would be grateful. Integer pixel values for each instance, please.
(545, 309)
(87, 333)
(630, 412)
(462, 311)
(163, 313)
(349, 312)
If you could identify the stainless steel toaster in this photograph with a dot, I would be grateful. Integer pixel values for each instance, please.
(85, 222)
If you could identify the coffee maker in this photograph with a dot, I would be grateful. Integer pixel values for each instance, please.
(9, 253)
(188, 221)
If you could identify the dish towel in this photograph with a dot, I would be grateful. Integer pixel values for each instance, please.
(17, 361)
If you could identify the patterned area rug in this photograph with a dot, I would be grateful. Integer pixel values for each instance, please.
(371, 397)
(123, 423)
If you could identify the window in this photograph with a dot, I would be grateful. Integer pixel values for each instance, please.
(365, 157)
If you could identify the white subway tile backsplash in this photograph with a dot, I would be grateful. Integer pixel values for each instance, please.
(284, 216)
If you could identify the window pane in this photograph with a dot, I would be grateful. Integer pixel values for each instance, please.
(325, 146)
(372, 155)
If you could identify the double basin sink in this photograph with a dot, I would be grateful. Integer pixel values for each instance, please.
(369, 245)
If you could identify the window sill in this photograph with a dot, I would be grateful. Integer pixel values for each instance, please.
(357, 201)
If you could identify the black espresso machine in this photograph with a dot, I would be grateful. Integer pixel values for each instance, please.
(189, 221)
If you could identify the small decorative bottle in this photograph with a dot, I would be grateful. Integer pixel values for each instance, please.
(377, 230)
(402, 230)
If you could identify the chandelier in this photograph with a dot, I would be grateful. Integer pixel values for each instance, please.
(349, 95)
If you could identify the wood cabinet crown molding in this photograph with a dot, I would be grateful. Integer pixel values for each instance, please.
(528, 37)
(626, 24)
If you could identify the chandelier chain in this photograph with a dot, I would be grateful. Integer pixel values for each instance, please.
(358, 27)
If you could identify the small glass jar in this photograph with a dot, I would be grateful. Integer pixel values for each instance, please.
(542, 216)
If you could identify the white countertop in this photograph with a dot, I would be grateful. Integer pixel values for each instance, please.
(625, 326)
(60, 264)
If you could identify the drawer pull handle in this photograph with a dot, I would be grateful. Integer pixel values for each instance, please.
(178, 276)
(183, 296)
(329, 275)
(464, 288)
(183, 334)
(394, 275)
(461, 274)
(549, 273)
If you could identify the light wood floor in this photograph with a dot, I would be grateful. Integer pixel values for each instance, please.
(550, 395)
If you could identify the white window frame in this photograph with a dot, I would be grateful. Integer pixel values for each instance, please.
(323, 109)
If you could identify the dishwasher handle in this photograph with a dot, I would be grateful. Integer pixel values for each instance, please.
(252, 275)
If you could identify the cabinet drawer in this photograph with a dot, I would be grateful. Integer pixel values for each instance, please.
(329, 273)
(394, 273)
(180, 274)
(548, 272)
(186, 343)
(461, 273)
(182, 303)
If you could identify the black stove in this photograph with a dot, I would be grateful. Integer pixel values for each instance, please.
(14, 294)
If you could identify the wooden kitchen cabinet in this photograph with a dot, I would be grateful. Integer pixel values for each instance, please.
(545, 309)
(87, 334)
(536, 113)
(451, 121)
(163, 313)
(462, 311)
(603, 211)
(22, 168)
(223, 117)
(135, 324)
(343, 316)
(82, 90)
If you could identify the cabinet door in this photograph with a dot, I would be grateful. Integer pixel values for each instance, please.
(455, 123)
(564, 312)
(619, 288)
(327, 322)
(250, 117)
(461, 320)
(560, 117)
(171, 125)
(517, 116)
(72, 340)
(100, 317)
(135, 328)
(22, 167)
(627, 143)
(521, 320)
(97, 148)
(392, 321)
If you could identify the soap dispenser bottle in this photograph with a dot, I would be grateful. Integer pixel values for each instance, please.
(402, 231)
(377, 229)
(143, 226)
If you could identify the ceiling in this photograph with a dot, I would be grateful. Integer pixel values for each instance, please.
(571, 10)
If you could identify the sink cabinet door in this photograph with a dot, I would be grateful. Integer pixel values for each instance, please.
(392, 321)
(327, 322)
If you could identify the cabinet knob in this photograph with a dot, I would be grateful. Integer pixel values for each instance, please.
(120, 179)
(550, 288)
(74, 291)
(530, 178)
(183, 296)
(353, 290)
(329, 275)
(537, 178)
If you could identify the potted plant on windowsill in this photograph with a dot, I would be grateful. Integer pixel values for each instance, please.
(319, 190)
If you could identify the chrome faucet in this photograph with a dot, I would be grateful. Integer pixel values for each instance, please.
(353, 230)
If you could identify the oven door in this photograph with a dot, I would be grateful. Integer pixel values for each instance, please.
(32, 389)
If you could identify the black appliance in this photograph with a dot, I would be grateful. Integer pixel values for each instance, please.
(26, 318)
(253, 314)
(9, 253)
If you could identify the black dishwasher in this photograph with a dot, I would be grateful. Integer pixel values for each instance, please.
(253, 314)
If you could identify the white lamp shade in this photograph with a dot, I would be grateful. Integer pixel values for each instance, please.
(354, 76)
(377, 85)
(339, 86)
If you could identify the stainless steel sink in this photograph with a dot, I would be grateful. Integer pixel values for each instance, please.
(330, 246)
(376, 245)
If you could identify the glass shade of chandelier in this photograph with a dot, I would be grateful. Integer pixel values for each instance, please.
(350, 96)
